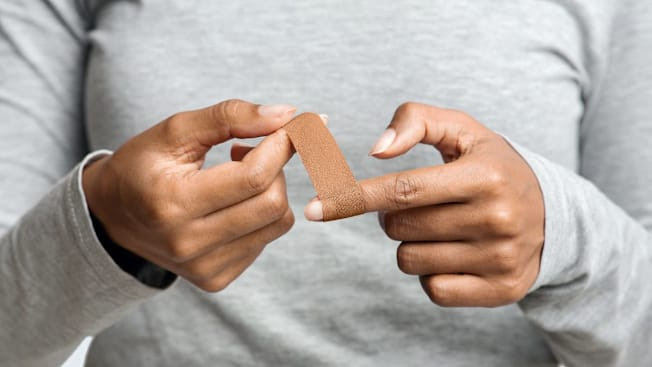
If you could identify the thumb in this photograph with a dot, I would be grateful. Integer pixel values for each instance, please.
(452, 132)
(193, 133)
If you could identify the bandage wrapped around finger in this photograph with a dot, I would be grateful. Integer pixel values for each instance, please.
(336, 187)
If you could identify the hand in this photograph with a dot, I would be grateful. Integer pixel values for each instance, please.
(471, 229)
(206, 225)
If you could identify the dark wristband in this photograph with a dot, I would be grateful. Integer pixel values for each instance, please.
(146, 272)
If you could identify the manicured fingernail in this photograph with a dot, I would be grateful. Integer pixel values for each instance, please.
(324, 118)
(384, 142)
(314, 211)
(276, 110)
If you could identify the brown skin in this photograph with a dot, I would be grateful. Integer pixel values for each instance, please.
(471, 229)
(206, 225)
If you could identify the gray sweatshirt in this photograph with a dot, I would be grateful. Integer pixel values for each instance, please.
(568, 81)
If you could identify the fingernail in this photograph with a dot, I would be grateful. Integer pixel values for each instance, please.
(314, 211)
(276, 110)
(384, 142)
(324, 118)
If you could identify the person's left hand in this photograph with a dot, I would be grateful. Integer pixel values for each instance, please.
(471, 229)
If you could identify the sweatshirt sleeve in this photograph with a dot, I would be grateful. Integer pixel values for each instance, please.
(593, 297)
(57, 284)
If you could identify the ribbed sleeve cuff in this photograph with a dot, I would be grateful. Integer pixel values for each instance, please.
(557, 256)
(57, 283)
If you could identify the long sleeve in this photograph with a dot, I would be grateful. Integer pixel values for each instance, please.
(57, 284)
(593, 297)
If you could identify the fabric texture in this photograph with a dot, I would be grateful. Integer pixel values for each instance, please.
(568, 82)
(330, 174)
(140, 268)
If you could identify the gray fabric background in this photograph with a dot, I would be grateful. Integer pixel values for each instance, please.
(568, 82)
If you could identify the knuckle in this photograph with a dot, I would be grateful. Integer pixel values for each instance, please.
(405, 258)
(439, 293)
(279, 228)
(512, 290)
(506, 258)
(175, 123)
(205, 268)
(227, 110)
(495, 181)
(214, 284)
(175, 132)
(179, 136)
(276, 204)
(394, 226)
(158, 202)
(197, 270)
(408, 108)
(257, 178)
(404, 191)
(178, 249)
(503, 220)
(161, 213)
(287, 221)
(180, 253)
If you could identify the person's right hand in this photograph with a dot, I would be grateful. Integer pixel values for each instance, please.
(206, 225)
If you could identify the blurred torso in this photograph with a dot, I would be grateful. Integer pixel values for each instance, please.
(331, 293)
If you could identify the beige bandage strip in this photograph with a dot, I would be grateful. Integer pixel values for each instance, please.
(331, 176)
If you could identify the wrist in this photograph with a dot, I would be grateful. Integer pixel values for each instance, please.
(94, 184)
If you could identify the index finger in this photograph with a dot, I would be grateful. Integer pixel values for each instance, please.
(229, 183)
(448, 183)
(234, 118)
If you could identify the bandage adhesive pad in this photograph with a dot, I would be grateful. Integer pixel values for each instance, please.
(336, 187)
